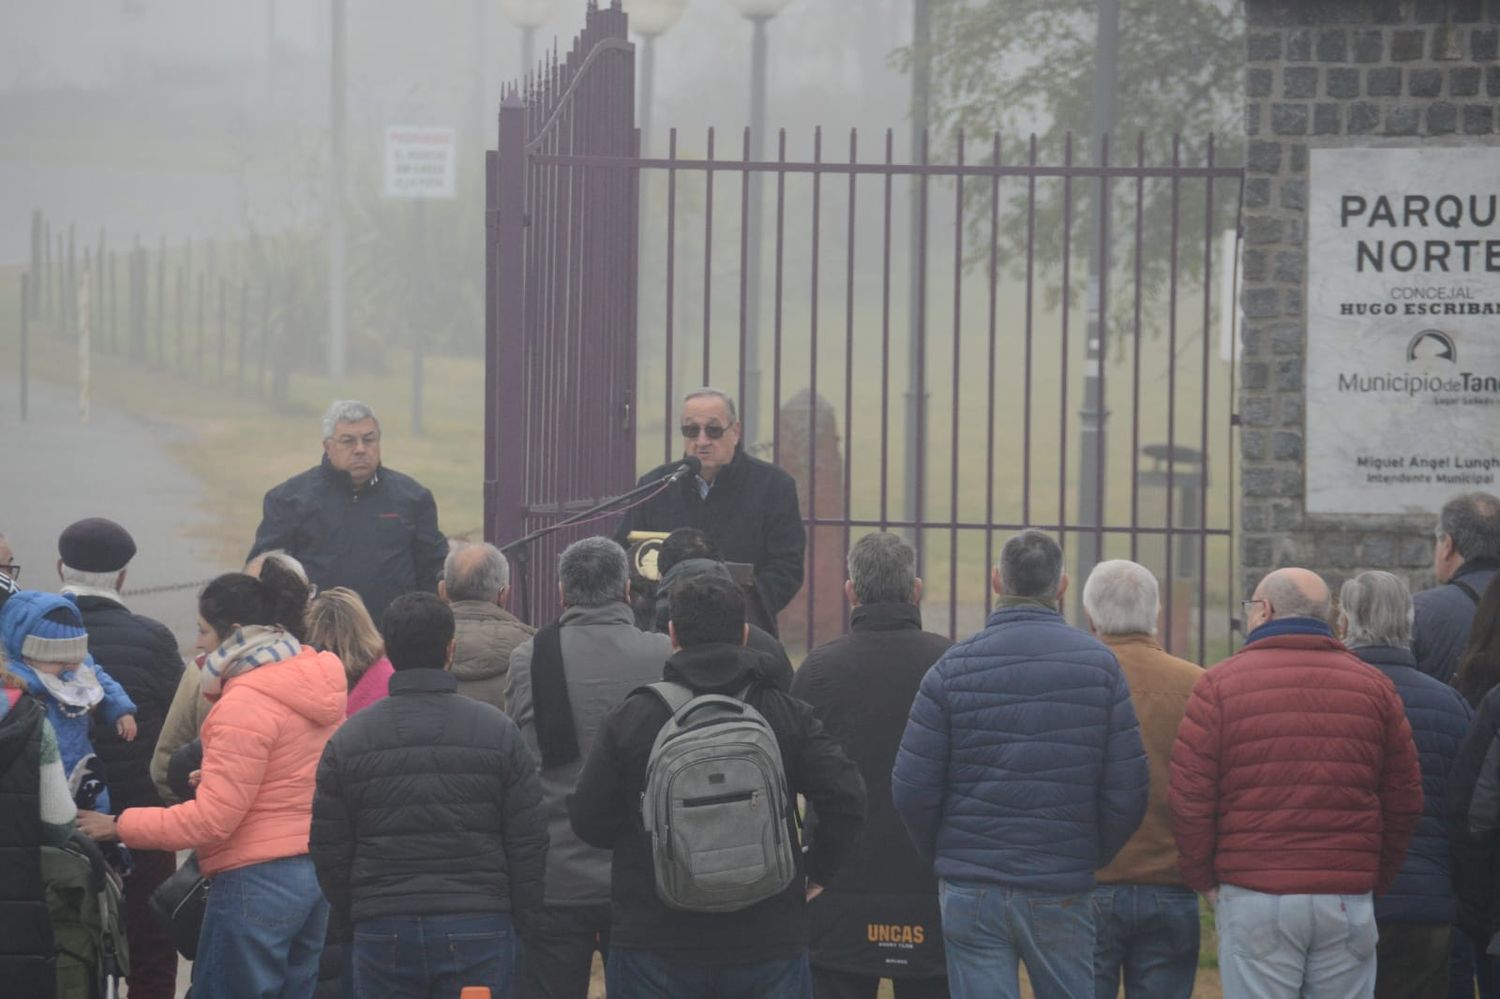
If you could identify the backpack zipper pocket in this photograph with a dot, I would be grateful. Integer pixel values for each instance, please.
(722, 799)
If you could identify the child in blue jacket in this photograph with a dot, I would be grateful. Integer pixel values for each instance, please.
(47, 649)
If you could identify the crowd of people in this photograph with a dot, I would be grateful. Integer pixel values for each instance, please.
(393, 787)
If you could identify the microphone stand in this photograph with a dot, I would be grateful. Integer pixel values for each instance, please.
(521, 547)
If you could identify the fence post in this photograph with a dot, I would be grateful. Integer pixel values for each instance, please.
(112, 338)
(239, 374)
(59, 282)
(181, 322)
(198, 362)
(85, 348)
(161, 304)
(36, 257)
(71, 273)
(504, 514)
(44, 304)
(97, 299)
(26, 280)
(223, 327)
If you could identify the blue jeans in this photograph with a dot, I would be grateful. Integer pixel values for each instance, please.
(1273, 946)
(990, 930)
(1150, 933)
(435, 956)
(262, 932)
(644, 974)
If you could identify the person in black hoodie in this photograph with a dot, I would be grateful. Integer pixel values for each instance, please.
(427, 831)
(879, 917)
(351, 521)
(747, 507)
(142, 656)
(759, 951)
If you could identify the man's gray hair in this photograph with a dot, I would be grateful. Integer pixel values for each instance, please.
(706, 392)
(346, 411)
(283, 559)
(1122, 598)
(91, 580)
(1472, 522)
(1288, 600)
(883, 569)
(485, 577)
(1031, 565)
(1377, 610)
(593, 572)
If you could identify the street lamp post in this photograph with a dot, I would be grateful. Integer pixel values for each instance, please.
(759, 13)
(650, 19)
(528, 15)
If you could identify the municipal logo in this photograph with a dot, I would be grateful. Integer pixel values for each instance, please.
(1432, 345)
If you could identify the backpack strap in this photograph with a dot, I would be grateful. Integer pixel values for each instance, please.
(674, 695)
(556, 736)
(1472, 593)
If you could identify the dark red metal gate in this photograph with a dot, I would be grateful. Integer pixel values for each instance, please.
(920, 331)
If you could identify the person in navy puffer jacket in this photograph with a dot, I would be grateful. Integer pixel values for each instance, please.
(1021, 772)
(1416, 913)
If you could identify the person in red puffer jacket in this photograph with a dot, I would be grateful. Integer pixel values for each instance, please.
(1295, 789)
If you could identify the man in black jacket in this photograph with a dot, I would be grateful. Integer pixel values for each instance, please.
(879, 917)
(759, 951)
(142, 655)
(426, 832)
(747, 507)
(353, 522)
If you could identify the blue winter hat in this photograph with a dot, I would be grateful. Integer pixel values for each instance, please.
(56, 637)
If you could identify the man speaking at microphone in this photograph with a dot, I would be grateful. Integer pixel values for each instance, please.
(747, 507)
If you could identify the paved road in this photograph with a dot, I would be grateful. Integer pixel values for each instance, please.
(55, 470)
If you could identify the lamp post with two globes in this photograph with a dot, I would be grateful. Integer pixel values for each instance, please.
(759, 13)
(528, 15)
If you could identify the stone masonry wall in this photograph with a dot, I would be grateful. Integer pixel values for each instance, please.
(1334, 73)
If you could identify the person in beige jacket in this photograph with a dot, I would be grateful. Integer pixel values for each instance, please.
(476, 585)
(189, 707)
(1145, 919)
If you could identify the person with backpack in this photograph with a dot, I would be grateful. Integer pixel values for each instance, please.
(692, 783)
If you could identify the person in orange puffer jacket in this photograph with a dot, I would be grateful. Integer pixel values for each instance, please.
(276, 705)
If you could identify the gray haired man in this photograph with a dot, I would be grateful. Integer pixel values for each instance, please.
(1145, 919)
(562, 683)
(476, 584)
(1465, 557)
(353, 522)
(1415, 914)
(861, 687)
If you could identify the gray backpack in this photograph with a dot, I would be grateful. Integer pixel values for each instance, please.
(716, 804)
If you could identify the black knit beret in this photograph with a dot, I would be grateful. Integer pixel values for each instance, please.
(96, 545)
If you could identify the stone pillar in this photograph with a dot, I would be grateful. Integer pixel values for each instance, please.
(805, 445)
(1334, 73)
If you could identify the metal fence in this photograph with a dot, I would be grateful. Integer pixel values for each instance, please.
(932, 347)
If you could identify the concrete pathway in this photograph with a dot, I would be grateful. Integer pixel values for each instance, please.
(54, 470)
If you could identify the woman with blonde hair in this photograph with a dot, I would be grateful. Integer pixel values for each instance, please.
(337, 622)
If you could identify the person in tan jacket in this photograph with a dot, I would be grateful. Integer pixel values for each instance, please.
(476, 585)
(1145, 919)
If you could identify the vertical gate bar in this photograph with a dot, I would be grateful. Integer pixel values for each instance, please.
(631, 279)
(885, 338)
(1234, 416)
(1172, 383)
(849, 279)
(1105, 262)
(780, 262)
(989, 423)
(919, 295)
(708, 259)
(202, 326)
(1208, 269)
(958, 286)
(505, 404)
(744, 268)
(223, 318)
(1030, 312)
(181, 319)
(161, 304)
(239, 377)
(668, 410)
(1135, 376)
(812, 390)
(1067, 292)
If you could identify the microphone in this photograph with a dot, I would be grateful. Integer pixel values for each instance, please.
(687, 466)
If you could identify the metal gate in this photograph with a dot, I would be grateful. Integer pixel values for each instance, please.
(918, 343)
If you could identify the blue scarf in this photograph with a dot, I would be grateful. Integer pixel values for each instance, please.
(1277, 627)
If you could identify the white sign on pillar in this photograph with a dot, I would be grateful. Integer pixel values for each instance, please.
(1403, 328)
(419, 161)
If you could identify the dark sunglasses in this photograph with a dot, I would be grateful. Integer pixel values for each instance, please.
(691, 431)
